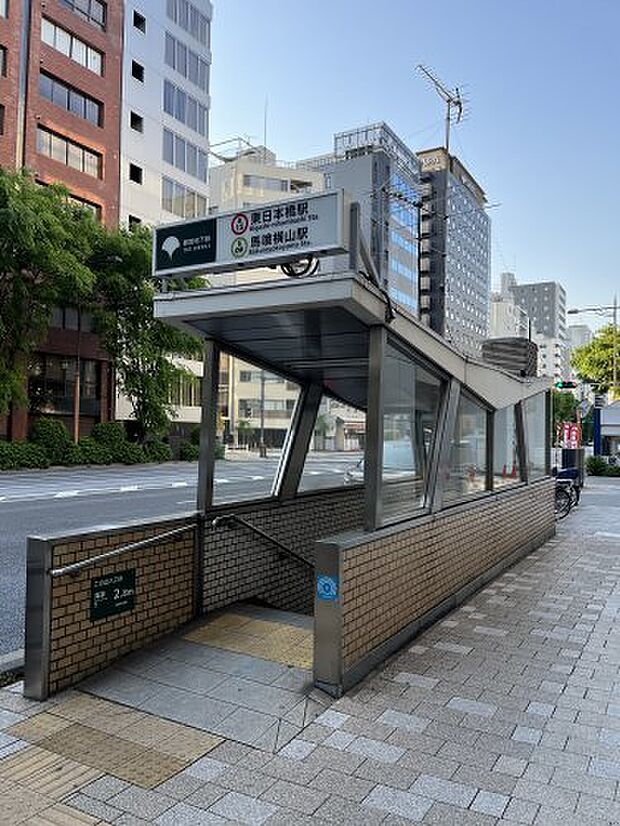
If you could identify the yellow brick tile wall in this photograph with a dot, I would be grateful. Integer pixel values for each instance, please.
(163, 601)
(390, 582)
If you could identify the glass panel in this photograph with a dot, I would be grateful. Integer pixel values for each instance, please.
(181, 66)
(178, 204)
(262, 406)
(535, 412)
(93, 112)
(201, 205)
(76, 103)
(336, 454)
(190, 203)
(91, 164)
(63, 42)
(78, 51)
(179, 106)
(167, 194)
(191, 159)
(466, 473)
(179, 153)
(171, 9)
(46, 85)
(59, 149)
(412, 398)
(94, 61)
(48, 32)
(169, 50)
(202, 166)
(192, 66)
(168, 146)
(60, 95)
(44, 142)
(168, 97)
(75, 156)
(505, 456)
(192, 114)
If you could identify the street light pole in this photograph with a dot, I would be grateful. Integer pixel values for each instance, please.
(262, 451)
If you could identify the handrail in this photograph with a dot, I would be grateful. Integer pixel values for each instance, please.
(134, 546)
(227, 518)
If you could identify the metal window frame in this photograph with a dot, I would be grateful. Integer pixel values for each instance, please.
(373, 453)
(453, 397)
(521, 442)
(208, 425)
(297, 443)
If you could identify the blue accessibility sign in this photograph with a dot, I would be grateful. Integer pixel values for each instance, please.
(327, 587)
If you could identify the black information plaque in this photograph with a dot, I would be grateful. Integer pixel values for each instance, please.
(112, 594)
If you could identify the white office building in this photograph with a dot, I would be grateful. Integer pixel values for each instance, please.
(165, 110)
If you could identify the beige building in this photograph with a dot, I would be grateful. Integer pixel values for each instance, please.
(254, 176)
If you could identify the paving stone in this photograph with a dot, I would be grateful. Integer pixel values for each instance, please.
(472, 707)
(396, 802)
(545, 794)
(326, 758)
(180, 786)
(205, 796)
(453, 648)
(292, 796)
(542, 709)
(490, 803)
(604, 768)
(142, 802)
(298, 749)
(97, 808)
(376, 749)
(442, 814)
(443, 791)
(417, 680)
(185, 815)
(105, 787)
(490, 631)
(339, 740)
(424, 763)
(238, 779)
(344, 785)
(243, 809)
(513, 766)
(332, 719)
(337, 810)
(207, 768)
(398, 719)
(526, 734)
(521, 811)
(10, 718)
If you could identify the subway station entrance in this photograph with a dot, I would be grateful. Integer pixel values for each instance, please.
(268, 608)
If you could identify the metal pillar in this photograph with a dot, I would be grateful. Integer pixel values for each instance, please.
(297, 443)
(208, 425)
(373, 456)
(521, 441)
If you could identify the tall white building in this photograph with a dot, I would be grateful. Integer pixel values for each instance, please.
(165, 110)
(165, 135)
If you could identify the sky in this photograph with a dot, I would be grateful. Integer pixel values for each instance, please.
(542, 127)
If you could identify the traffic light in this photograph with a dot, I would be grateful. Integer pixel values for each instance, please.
(565, 385)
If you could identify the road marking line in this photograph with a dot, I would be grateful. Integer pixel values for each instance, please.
(128, 488)
(179, 484)
(222, 481)
(607, 534)
(257, 478)
(64, 494)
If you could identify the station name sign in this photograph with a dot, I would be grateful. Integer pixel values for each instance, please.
(259, 236)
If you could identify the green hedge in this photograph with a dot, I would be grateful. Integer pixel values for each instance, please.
(597, 466)
(53, 437)
(157, 452)
(189, 452)
(94, 453)
(17, 455)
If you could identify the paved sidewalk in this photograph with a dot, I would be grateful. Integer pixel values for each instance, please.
(507, 711)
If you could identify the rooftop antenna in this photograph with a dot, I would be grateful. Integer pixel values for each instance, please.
(453, 100)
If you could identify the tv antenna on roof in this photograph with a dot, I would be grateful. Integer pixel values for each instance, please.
(453, 101)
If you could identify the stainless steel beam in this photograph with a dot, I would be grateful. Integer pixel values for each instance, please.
(445, 443)
(208, 425)
(521, 441)
(297, 442)
(38, 619)
(373, 456)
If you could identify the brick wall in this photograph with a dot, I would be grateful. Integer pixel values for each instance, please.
(239, 565)
(59, 618)
(389, 582)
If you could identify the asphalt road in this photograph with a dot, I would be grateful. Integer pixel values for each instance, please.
(58, 501)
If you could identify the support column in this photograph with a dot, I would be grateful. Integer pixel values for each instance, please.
(297, 443)
(208, 425)
(373, 455)
(521, 441)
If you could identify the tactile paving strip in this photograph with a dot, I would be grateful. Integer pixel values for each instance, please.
(48, 774)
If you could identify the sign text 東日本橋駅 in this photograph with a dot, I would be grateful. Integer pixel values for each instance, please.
(258, 236)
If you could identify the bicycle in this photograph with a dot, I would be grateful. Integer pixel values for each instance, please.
(563, 498)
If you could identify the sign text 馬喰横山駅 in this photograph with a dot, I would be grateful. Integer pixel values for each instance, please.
(261, 235)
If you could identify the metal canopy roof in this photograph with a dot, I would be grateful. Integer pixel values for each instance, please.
(316, 330)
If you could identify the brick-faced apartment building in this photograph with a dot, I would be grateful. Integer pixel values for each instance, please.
(60, 102)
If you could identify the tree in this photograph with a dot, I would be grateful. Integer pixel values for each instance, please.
(564, 409)
(594, 361)
(141, 346)
(44, 246)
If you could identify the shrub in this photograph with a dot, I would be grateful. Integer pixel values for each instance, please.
(157, 452)
(129, 453)
(94, 453)
(596, 465)
(612, 470)
(220, 451)
(109, 434)
(53, 437)
(189, 452)
(194, 435)
(16, 455)
(72, 455)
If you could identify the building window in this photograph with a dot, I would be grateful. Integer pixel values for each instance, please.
(71, 46)
(136, 122)
(535, 414)
(1, 119)
(95, 209)
(70, 99)
(93, 11)
(184, 155)
(3, 61)
(506, 469)
(137, 71)
(135, 173)
(67, 152)
(51, 385)
(467, 469)
(261, 182)
(187, 16)
(245, 375)
(181, 200)
(185, 108)
(139, 22)
(185, 391)
(4, 8)
(186, 62)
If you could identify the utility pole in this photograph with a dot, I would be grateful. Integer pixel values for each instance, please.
(262, 450)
